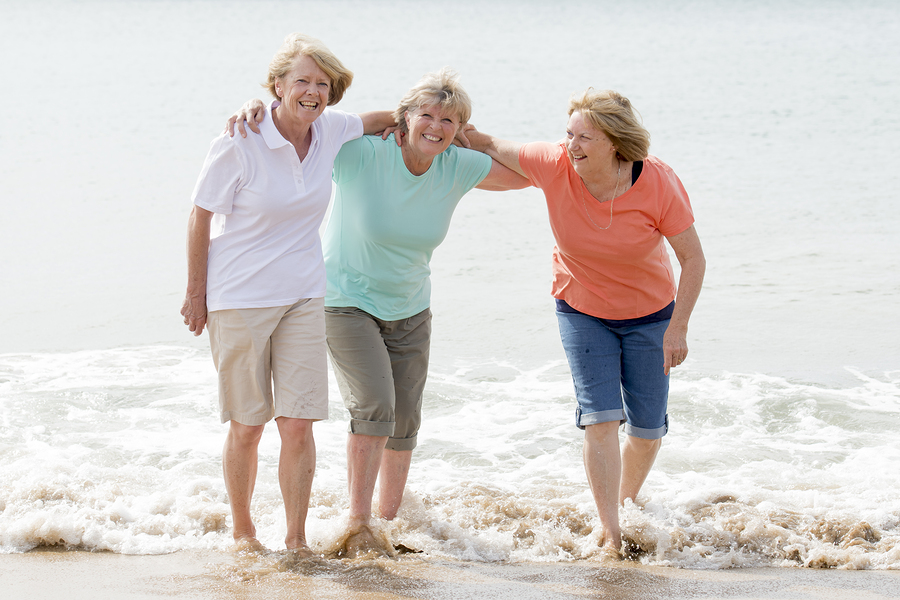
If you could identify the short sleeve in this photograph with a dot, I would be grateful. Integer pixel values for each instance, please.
(352, 158)
(220, 177)
(339, 127)
(540, 161)
(472, 167)
(676, 214)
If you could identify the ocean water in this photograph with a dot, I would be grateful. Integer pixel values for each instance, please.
(779, 117)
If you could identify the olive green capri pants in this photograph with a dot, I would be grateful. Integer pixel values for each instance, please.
(381, 368)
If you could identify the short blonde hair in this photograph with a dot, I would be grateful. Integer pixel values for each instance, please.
(298, 44)
(442, 88)
(612, 113)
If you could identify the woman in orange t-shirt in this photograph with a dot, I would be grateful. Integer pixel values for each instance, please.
(611, 206)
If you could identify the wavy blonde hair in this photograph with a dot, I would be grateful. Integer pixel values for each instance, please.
(612, 113)
(440, 87)
(298, 44)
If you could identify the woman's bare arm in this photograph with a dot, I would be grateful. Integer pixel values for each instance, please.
(253, 112)
(502, 151)
(194, 307)
(500, 179)
(689, 253)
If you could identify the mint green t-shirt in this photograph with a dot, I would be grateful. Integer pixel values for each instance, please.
(386, 222)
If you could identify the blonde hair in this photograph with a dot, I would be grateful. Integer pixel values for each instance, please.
(298, 44)
(612, 113)
(441, 87)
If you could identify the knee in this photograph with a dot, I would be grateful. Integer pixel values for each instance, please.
(642, 445)
(245, 435)
(295, 431)
(602, 431)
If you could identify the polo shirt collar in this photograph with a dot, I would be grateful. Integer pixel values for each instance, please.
(270, 133)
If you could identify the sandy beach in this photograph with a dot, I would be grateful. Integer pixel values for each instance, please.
(80, 575)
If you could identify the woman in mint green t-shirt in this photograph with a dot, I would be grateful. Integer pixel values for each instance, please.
(392, 208)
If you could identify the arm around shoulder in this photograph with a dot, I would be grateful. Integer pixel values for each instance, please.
(376, 121)
(503, 151)
(501, 178)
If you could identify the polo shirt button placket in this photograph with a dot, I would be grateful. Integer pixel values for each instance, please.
(298, 175)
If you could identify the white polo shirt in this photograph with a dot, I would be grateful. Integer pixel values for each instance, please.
(265, 248)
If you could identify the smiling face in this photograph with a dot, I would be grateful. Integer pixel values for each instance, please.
(590, 150)
(431, 129)
(303, 91)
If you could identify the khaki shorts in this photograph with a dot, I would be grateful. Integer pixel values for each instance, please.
(380, 367)
(256, 348)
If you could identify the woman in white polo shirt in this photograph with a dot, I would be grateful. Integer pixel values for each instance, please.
(256, 277)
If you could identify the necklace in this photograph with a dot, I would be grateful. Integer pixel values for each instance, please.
(615, 193)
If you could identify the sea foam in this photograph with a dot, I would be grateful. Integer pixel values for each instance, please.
(120, 450)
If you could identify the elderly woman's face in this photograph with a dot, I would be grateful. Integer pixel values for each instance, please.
(589, 149)
(303, 90)
(431, 128)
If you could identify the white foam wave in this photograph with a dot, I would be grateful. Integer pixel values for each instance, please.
(119, 450)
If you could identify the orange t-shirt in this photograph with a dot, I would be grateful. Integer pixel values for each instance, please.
(622, 272)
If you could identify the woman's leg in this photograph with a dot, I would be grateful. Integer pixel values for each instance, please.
(363, 372)
(239, 343)
(645, 389)
(638, 456)
(392, 479)
(604, 470)
(296, 467)
(239, 463)
(594, 355)
(408, 342)
(300, 381)
(364, 455)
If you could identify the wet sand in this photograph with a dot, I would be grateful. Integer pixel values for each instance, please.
(78, 575)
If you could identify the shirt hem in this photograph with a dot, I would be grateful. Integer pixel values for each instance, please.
(268, 304)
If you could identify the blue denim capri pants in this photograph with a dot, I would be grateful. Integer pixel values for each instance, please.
(618, 373)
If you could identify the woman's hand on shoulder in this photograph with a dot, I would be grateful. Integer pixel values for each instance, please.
(381, 122)
(253, 112)
(398, 134)
(468, 136)
(502, 151)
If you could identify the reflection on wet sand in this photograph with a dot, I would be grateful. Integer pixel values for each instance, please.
(422, 578)
(280, 575)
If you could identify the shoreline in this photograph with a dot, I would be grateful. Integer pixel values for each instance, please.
(78, 575)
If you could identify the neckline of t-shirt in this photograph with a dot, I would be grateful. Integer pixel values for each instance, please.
(412, 176)
(584, 188)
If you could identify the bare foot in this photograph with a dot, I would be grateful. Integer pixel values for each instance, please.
(362, 542)
(296, 542)
(610, 545)
(300, 552)
(295, 558)
(609, 540)
(609, 554)
(248, 544)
